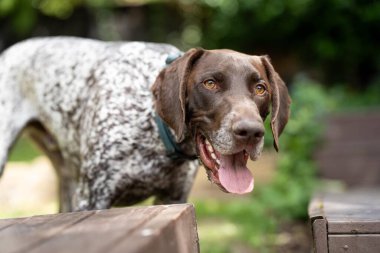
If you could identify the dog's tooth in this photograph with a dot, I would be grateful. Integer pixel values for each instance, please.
(213, 156)
(217, 161)
(209, 148)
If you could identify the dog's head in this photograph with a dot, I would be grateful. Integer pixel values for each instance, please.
(221, 99)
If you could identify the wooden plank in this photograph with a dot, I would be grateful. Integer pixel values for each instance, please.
(145, 229)
(29, 233)
(353, 227)
(367, 243)
(162, 228)
(355, 211)
(350, 153)
(318, 224)
(172, 231)
(319, 231)
(187, 233)
(315, 208)
(99, 232)
(5, 223)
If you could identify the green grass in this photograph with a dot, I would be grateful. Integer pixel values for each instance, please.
(24, 150)
(223, 226)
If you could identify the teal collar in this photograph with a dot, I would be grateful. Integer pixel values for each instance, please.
(172, 57)
(172, 148)
(173, 151)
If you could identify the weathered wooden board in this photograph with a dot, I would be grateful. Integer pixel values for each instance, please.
(354, 243)
(4, 223)
(30, 233)
(135, 229)
(356, 211)
(346, 222)
(319, 230)
(350, 152)
(177, 236)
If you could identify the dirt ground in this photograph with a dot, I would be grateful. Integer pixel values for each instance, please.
(30, 189)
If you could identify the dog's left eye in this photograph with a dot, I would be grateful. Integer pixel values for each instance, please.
(260, 89)
(210, 84)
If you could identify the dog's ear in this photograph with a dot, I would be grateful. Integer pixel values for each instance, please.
(170, 91)
(280, 100)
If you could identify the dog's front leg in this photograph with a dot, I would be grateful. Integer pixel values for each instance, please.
(93, 193)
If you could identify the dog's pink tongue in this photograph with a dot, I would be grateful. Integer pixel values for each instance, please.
(234, 174)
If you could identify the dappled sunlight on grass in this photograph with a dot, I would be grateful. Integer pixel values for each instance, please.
(28, 188)
(216, 235)
(44, 208)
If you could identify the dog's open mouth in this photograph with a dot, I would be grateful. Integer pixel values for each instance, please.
(229, 172)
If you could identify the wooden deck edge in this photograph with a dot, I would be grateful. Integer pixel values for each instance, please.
(315, 209)
(319, 231)
(318, 224)
(173, 230)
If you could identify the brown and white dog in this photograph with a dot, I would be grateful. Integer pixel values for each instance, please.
(92, 106)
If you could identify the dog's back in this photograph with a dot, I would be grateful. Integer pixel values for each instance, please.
(92, 97)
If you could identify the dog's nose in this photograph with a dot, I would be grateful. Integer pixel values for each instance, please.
(245, 130)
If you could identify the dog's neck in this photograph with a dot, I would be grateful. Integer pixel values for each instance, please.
(174, 150)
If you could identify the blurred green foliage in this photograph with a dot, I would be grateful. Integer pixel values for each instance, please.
(290, 191)
(335, 40)
(348, 99)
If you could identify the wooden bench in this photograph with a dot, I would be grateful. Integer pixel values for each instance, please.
(346, 222)
(161, 229)
(349, 221)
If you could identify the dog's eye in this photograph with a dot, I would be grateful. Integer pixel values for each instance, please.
(260, 89)
(210, 84)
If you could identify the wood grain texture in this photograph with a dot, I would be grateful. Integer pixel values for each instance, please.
(4, 223)
(354, 243)
(168, 229)
(353, 212)
(350, 153)
(26, 235)
(350, 220)
(319, 229)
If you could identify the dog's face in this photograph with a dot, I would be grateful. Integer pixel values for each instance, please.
(221, 98)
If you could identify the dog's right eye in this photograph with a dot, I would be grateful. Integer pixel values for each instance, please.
(210, 84)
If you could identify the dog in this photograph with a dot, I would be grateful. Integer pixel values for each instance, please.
(120, 122)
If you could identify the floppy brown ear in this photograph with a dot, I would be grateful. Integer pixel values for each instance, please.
(280, 101)
(169, 91)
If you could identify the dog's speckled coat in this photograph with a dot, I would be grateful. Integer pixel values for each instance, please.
(95, 102)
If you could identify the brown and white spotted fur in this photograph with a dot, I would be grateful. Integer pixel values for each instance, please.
(90, 105)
